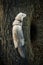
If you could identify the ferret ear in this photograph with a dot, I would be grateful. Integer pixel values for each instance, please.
(17, 17)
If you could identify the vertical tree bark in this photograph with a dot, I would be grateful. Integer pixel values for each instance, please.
(8, 10)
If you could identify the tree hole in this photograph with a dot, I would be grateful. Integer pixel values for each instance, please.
(33, 32)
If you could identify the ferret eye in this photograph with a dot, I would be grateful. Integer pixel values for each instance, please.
(22, 15)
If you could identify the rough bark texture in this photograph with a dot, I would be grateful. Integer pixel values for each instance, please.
(32, 28)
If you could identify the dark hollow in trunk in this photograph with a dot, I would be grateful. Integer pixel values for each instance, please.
(33, 32)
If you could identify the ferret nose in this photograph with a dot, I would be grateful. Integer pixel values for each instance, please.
(25, 15)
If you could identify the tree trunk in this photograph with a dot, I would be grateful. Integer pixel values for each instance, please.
(32, 29)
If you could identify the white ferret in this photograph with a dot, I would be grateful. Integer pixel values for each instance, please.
(17, 34)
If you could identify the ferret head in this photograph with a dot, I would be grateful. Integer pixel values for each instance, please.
(20, 16)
